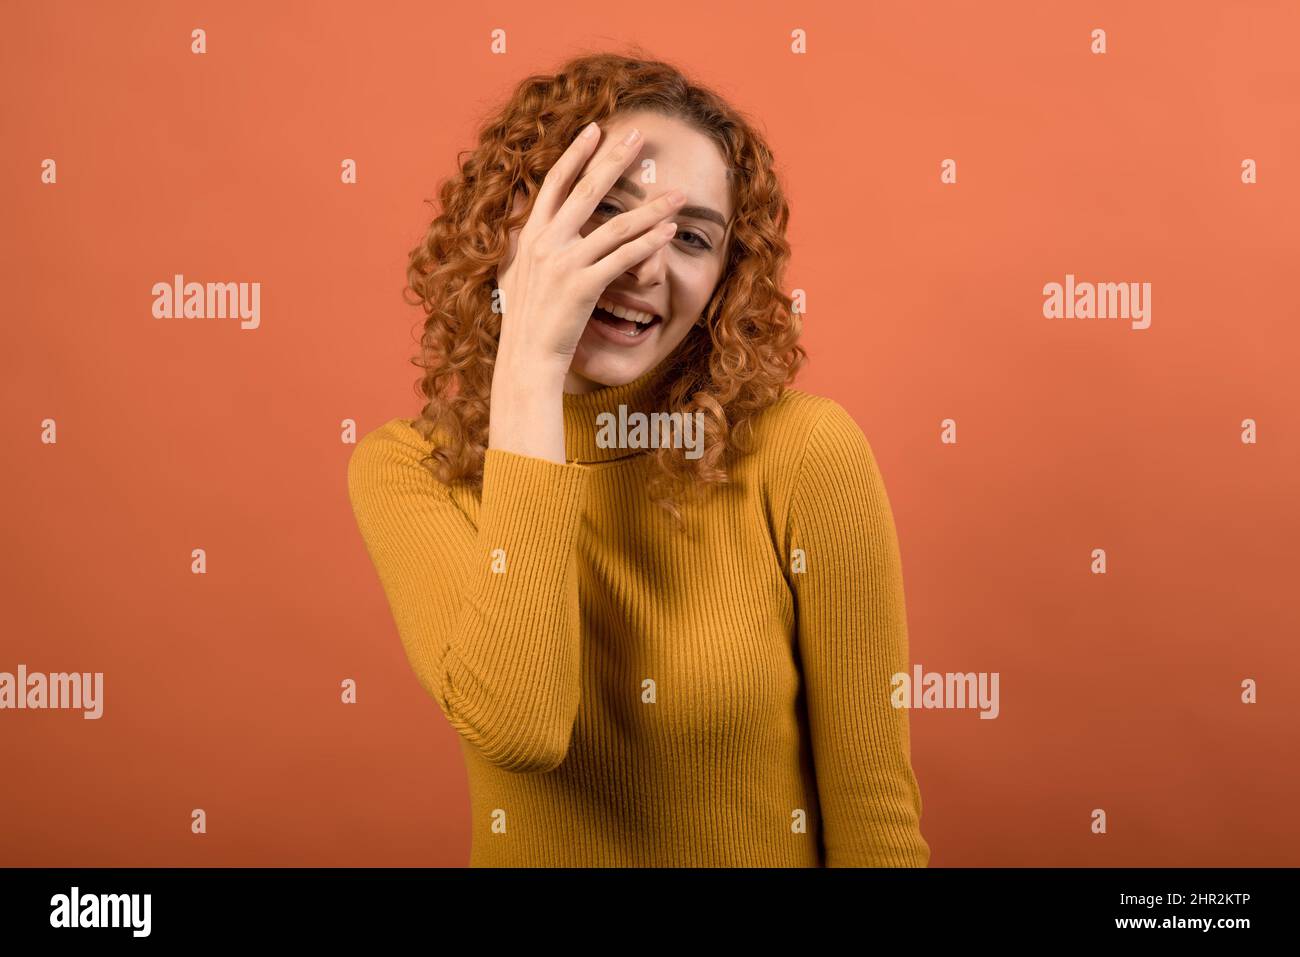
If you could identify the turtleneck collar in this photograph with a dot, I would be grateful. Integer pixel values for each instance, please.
(643, 394)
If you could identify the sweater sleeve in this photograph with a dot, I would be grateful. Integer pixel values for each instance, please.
(852, 638)
(488, 615)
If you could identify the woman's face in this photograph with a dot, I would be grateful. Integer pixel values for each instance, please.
(677, 280)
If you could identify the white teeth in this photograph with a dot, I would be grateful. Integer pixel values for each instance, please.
(641, 318)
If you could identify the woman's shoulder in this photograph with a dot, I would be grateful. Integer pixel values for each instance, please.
(808, 444)
(799, 419)
(396, 436)
(389, 452)
(808, 448)
(814, 459)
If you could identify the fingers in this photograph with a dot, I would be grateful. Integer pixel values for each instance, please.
(628, 255)
(609, 236)
(559, 178)
(595, 183)
(563, 207)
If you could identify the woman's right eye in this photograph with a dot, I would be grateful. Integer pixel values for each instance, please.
(614, 209)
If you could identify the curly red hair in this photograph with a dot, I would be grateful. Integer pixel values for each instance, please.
(731, 366)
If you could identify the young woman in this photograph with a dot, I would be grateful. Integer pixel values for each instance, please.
(656, 591)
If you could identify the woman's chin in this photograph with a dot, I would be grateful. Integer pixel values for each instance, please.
(600, 372)
(598, 363)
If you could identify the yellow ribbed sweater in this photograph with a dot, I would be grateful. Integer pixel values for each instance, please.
(631, 695)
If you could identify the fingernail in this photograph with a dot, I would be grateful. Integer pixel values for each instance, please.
(590, 131)
(631, 136)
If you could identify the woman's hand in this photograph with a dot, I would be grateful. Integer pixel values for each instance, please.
(554, 275)
(549, 285)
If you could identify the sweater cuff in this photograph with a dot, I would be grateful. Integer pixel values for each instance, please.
(527, 499)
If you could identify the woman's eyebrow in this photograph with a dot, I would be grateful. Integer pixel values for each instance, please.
(695, 212)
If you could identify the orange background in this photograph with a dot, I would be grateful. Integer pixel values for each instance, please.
(1119, 691)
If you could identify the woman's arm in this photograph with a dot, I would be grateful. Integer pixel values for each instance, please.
(852, 638)
(489, 615)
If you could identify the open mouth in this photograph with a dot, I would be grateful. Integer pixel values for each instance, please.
(627, 322)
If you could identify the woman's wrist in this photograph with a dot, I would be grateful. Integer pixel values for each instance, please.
(526, 414)
(528, 371)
